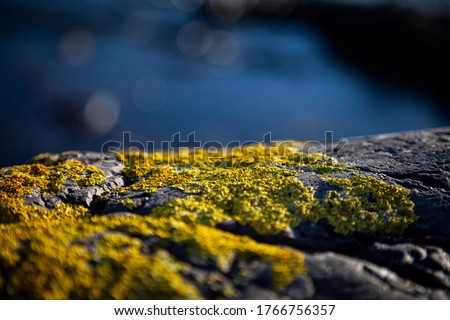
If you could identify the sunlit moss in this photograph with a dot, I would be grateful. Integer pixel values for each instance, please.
(67, 254)
(14, 210)
(247, 184)
(268, 199)
(366, 204)
(18, 181)
(279, 154)
(24, 179)
(128, 203)
(103, 258)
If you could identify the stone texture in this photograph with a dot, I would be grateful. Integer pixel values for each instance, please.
(340, 277)
(424, 264)
(142, 202)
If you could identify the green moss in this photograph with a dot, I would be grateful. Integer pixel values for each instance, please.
(62, 261)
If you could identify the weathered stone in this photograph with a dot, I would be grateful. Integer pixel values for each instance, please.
(42, 201)
(301, 288)
(138, 202)
(418, 161)
(426, 265)
(340, 277)
(253, 292)
(72, 192)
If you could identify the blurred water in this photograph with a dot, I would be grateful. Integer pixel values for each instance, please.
(75, 75)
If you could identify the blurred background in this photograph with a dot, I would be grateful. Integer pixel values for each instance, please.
(75, 74)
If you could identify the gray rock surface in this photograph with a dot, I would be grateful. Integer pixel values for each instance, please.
(423, 264)
(340, 277)
(142, 203)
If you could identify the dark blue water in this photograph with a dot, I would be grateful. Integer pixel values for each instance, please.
(77, 75)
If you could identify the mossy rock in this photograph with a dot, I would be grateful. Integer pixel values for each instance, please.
(173, 250)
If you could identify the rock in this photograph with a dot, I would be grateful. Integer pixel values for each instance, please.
(340, 277)
(74, 193)
(138, 202)
(428, 266)
(257, 293)
(302, 288)
(418, 161)
(42, 201)
(216, 256)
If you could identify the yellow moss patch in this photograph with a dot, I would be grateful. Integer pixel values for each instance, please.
(246, 184)
(65, 254)
(14, 210)
(366, 205)
(18, 181)
(63, 261)
(24, 179)
(128, 203)
(279, 154)
(266, 198)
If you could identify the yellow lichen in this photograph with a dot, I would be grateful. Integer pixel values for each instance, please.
(366, 204)
(24, 179)
(266, 198)
(64, 253)
(98, 258)
(279, 154)
(18, 181)
(14, 210)
(128, 203)
(246, 184)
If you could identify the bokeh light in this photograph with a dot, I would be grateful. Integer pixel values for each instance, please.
(224, 49)
(77, 47)
(194, 39)
(101, 112)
